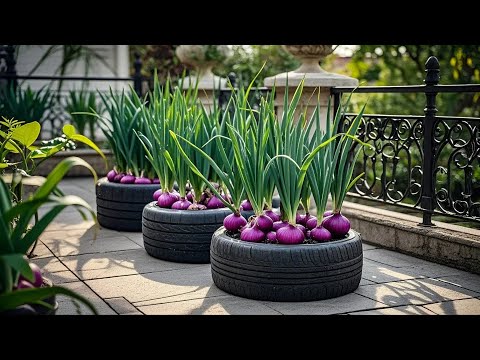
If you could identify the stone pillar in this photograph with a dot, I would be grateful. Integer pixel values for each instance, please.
(318, 82)
(203, 58)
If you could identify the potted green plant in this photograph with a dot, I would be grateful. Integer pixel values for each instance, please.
(129, 186)
(23, 289)
(25, 104)
(283, 260)
(178, 226)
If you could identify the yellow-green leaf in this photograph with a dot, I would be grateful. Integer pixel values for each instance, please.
(27, 134)
(69, 130)
(3, 165)
(87, 141)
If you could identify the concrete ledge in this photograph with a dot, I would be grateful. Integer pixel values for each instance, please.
(89, 155)
(448, 244)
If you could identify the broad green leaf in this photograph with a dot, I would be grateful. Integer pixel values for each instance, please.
(14, 299)
(88, 142)
(69, 130)
(27, 134)
(20, 264)
(59, 172)
(3, 165)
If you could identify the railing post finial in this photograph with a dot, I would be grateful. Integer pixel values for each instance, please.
(432, 68)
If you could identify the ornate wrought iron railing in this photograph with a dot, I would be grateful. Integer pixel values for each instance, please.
(427, 162)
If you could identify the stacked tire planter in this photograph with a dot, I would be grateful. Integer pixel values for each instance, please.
(180, 235)
(120, 206)
(304, 272)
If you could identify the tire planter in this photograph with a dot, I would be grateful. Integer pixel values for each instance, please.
(120, 206)
(305, 272)
(180, 235)
(35, 309)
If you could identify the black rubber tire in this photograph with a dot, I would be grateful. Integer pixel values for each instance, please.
(180, 235)
(120, 206)
(286, 272)
(276, 202)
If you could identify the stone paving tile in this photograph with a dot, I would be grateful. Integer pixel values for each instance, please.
(416, 292)
(137, 238)
(220, 305)
(399, 310)
(366, 247)
(393, 258)
(122, 306)
(433, 270)
(118, 263)
(380, 273)
(366, 282)
(67, 307)
(75, 242)
(69, 220)
(343, 304)
(41, 251)
(135, 288)
(49, 264)
(456, 307)
(61, 277)
(467, 281)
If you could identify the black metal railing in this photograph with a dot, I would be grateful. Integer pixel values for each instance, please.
(56, 115)
(427, 162)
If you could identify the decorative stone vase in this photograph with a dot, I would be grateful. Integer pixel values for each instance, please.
(310, 56)
(203, 58)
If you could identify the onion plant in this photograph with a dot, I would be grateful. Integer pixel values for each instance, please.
(178, 112)
(221, 164)
(331, 172)
(26, 105)
(79, 103)
(124, 118)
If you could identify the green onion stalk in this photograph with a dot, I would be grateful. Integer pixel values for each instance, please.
(124, 119)
(331, 172)
(294, 153)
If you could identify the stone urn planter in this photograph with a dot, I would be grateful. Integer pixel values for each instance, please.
(273, 272)
(120, 206)
(203, 58)
(310, 56)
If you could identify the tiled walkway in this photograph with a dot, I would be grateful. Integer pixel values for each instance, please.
(118, 276)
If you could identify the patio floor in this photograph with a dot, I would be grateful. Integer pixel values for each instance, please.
(119, 277)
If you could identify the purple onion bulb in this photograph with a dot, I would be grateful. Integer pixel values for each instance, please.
(279, 224)
(252, 234)
(272, 215)
(337, 224)
(272, 236)
(234, 222)
(321, 234)
(181, 204)
(143, 181)
(156, 194)
(214, 203)
(166, 200)
(111, 175)
(246, 205)
(311, 223)
(290, 235)
(264, 223)
(127, 179)
(118, 177)
(327, 213)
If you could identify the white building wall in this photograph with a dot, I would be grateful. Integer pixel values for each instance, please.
(116, 56)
